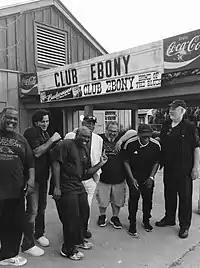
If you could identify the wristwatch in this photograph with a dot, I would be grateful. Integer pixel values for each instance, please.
(151, 177)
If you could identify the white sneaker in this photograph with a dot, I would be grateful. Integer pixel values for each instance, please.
(15, 261)
(43, 241)
(35, 251)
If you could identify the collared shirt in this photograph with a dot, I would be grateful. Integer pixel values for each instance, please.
(178, 144)
(141, 158)
(36, 137)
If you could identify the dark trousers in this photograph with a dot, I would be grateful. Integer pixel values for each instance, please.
(73, 211)
(12, 218)
(182, 188)
(134, 196)
(35, 210)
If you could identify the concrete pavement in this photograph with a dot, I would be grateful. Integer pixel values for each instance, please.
(113, 248)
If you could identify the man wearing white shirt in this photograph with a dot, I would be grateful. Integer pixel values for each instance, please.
(95, 147)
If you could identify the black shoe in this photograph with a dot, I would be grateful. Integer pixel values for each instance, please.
(133, 231)
(165, 222)
(147, 227)
(116, 222)
(102, 220)
(88, 234)
(183, 233)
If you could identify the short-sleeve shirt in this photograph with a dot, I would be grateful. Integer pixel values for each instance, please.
(16, 158)
(113, 170)
(177, 147)
(74, 161)
(141, 158)
(36, 137)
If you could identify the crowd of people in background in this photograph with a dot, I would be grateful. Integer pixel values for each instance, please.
(85, 165)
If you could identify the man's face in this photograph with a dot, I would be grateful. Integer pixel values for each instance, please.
(112, 131)
(89, 124)
(144, 139)
(44, 123)
(176, 113)
(83, 137)
(9, 120)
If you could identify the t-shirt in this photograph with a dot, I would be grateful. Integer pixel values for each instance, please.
(141, 158)
(36, 137)
(177, 147)
(74, 162)
(113, 170)
(15, 159)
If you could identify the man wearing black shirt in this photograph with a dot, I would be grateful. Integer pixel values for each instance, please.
(16, 158)
(40, 142)
(180, 157)
(72, 165)
(141, 160)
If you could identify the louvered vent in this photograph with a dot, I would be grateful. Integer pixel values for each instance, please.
(51, 45)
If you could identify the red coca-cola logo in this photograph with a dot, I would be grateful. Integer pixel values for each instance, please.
(182, 51)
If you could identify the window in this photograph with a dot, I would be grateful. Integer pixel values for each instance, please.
(51, 45)
(110, 116)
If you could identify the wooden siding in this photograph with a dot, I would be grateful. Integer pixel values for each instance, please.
(17, 37)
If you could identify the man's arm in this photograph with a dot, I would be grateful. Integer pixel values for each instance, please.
(30, 181)
(129, 133)
(196, 167)
(129, 176)
(56, 177)
(150, 181)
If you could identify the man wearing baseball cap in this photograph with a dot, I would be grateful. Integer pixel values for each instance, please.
(141, 161)
(95, 147)
(180, 156)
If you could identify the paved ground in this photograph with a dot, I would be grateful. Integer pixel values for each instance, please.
(115, 248)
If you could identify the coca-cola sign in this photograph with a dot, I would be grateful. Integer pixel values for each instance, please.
(28, 84)
(182, 52)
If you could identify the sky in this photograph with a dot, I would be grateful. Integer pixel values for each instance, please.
(121, 24)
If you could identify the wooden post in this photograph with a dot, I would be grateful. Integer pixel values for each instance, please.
(134, 119)
(88, 110)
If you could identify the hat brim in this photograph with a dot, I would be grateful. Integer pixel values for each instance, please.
(145, 134)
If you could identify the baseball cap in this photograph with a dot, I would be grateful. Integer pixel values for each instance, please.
(145, 130)
(90, 118)
(177, 103)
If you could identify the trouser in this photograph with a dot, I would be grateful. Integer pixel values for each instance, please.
(134, 196)
(181, 187)
(90, 187)
(12, 218)
(73, 211)
(35, 210)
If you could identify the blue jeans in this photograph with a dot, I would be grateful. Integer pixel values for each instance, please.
(35, 210)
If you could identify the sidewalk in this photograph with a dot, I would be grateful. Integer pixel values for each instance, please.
(115, 248)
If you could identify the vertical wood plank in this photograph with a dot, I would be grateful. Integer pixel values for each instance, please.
(3, 44)
(67, 28)
(30, 52)
(21, 37)
(69, 120)
(80, 49)
(39, 15)
(54, 17)
(47, 15)
(74, 46)
(12, 93)
(60, 22)
(12, 44)
(92, 53)
(86, 50)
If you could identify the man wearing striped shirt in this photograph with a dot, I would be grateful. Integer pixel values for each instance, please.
(141, 160)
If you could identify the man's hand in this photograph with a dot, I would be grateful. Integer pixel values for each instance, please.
(56, 137)
(149, 183)
(103, 158)
(195, 173)
(118, 145)
(56, 193)
(30, 187)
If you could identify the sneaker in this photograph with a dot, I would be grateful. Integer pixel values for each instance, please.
(183, 233)
(43, 241)
(116, 222)
(88, 234)
(148, 227)
(133, 232)
(35, 251)
(85, 245)
(102, 220)
(15, 261)
(76, 256)
(64, 254)
(165, 222)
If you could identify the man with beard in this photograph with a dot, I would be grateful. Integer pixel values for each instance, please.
(40, 142)
(180, 157)
(16, 158)
(71, 166)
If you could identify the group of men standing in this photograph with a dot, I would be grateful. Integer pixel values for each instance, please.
(82, 164)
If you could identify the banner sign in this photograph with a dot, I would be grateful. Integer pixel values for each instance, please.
(131, 69)
(123, 84)
(28, 84)
(182, 52)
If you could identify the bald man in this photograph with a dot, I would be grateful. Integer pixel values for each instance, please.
(71, 165)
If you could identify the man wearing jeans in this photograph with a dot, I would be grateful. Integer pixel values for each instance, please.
(40, 143)
(16, 158)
